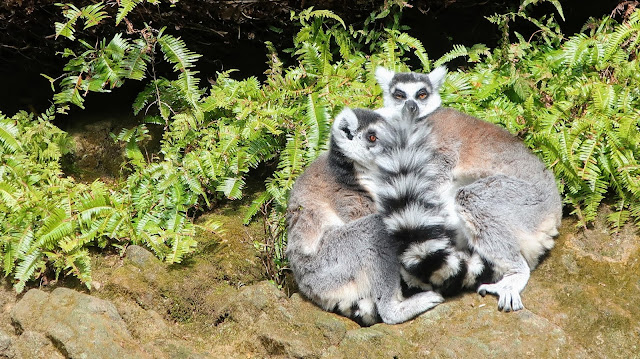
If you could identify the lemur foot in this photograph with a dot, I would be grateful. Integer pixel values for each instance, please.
(508, 297)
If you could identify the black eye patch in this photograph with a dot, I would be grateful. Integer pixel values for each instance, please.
(399, 95)
(422, 94)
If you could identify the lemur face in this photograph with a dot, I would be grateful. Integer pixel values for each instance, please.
(401, 88)
(360, 135)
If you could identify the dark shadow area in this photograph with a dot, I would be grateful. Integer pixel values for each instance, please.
(232, 35)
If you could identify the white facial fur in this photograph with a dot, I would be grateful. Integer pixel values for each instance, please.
(411, 86)
(358, 148)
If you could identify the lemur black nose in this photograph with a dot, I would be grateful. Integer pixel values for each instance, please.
(411, 106)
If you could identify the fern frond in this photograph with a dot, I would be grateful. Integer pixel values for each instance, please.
(66, 29)
(232, 187)
(8, 194)
(261, 149)
(555, 3)
(55, 227)
(310, 14)
(181, 238)
(73, 86)
(581, 50)
(317, 126)
(588, 154)
(418, 49)
(8, 133)
(176, 52)
(457, 51)
(256, 205)
(620, 217)
(622, 32)
(93, 14)
(311, 58)
(78, 263)
(26, 269)
(634, 208)
(125, 8)
(604, 97)
(134, 65)
(16, 248)
(389, 53)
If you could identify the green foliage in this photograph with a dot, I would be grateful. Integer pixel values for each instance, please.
(91, 14)
(127, 5)
(215, 137)
(48, 220)
(41, 212)
(574, 102)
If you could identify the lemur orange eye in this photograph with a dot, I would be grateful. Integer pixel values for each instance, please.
(372, 138)
(422, 96)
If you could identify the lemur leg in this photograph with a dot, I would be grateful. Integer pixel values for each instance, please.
(500, 211)
(394, 309)
(355, 271)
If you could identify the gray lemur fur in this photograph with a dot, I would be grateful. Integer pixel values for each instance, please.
(500, 200)
(338, 249)
(409, 175)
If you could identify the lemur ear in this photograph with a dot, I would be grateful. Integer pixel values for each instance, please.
(345, 124)
(384, 77)
(436, 77)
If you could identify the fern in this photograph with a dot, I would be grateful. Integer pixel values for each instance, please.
(92, 15)
(8, 132)
(125, 8)
(309, 13)
(458, 51)
(175, 52)
(135, 64)
(623, 33)
(317, 125)
(27, 268)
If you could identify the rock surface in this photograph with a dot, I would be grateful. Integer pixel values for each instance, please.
(77, 324)
(582, 302)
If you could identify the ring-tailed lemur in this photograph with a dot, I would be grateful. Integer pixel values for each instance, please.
(500, 198)
(338, 249)
(407, 181)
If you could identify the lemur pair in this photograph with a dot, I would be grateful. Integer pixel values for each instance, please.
(419, 195)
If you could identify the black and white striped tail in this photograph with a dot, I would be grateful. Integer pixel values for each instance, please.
(407, 197)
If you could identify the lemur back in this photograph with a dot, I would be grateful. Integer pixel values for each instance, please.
(499, 199)
(338, 249)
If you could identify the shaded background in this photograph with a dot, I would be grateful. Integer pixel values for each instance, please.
(230, 35)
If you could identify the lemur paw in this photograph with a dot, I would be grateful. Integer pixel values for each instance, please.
(508, 298)
(431, 297)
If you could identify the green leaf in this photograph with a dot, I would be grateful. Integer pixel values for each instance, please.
(232, 187)
(125, 8)
(8, 133)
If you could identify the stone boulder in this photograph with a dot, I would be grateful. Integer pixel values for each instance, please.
(78, 325)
